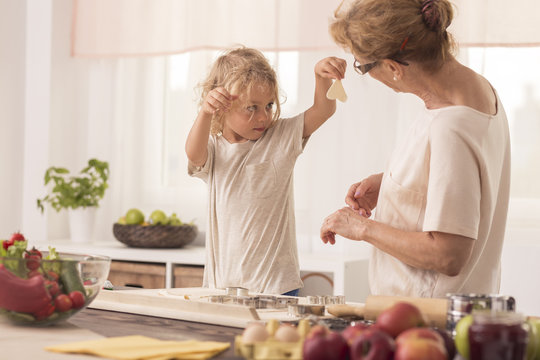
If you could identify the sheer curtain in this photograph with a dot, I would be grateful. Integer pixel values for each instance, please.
(131, 100)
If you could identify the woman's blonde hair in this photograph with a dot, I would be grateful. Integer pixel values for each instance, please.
(239, 70)
(401, 30)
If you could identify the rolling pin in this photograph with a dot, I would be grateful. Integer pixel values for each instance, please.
(434, 310)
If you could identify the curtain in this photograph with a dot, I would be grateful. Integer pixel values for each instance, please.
(496, 23)
(157, 27)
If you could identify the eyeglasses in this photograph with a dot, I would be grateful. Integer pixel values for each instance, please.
(363, 69)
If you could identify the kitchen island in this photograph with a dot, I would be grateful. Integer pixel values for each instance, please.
(19, 342)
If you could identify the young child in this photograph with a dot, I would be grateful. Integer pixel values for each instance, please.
(246, 154)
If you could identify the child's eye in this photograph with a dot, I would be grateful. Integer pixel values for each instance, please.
(269, 106)
(252, 108)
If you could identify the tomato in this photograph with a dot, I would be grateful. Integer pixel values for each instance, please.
(45, 312)
(33, 251)
(52, 287)
(63, 303)
(32, 262)
(77, 298)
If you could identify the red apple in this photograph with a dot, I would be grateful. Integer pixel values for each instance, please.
(400, 317)
(449, 343)
(352, 331)
(372, 344)
(420, 349)
(323, 344)
(419, 333)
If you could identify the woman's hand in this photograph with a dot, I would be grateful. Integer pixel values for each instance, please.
(331, 68)
(218, 99)
(345, 222)
(363, 195)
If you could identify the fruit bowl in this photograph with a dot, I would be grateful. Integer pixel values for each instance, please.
(155, 236)
(39, 292)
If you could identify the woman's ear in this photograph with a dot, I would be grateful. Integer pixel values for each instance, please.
(394, 68)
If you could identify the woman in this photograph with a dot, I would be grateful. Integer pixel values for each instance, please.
(442, 201)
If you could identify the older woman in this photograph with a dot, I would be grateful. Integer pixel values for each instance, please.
(442, 201)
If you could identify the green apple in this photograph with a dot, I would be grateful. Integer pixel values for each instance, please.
(462, 335)
(134, 217)
(533, 346)
(158, 217)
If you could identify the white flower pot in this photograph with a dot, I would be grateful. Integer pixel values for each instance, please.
(81, 224)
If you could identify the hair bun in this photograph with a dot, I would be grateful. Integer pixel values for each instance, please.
(430, 15)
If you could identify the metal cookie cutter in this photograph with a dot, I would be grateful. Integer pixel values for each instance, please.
(238, 291)
(460, 305)
(326, 299)
(301, 310)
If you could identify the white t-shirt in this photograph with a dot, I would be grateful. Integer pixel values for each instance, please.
(251, 234)
(450, 174)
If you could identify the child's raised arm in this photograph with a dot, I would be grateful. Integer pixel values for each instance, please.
(325, 70)
(217, 99)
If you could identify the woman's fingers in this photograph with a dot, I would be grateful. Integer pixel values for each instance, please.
(350, 199)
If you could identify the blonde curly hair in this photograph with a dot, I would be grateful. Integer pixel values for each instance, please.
(239, 70)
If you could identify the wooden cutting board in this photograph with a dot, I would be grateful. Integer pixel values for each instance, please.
(433, 309)
(185, 304)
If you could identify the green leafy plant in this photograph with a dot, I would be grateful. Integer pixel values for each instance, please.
(76, 191)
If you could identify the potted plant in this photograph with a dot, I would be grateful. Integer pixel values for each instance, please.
(80, 195)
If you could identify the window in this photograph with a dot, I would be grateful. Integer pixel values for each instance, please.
(358, 139)
(513, 72)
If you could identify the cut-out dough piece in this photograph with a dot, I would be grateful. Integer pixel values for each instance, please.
(336, 91)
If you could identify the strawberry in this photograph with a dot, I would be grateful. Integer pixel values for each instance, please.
(7, 243)
(17, 237)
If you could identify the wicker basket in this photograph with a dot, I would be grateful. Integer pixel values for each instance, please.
(155, 236)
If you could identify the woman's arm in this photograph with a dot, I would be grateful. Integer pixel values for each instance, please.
(437, 251)
(322, 108)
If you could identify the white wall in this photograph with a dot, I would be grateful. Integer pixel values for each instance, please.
(12, 78)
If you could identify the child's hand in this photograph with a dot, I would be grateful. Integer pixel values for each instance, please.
(217, 99)
(331, 68)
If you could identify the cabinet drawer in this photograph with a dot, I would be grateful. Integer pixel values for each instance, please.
(137, 274)
(188, 276)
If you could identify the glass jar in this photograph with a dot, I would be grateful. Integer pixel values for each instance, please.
(498, 336)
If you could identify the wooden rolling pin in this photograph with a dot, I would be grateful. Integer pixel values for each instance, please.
(434, 310)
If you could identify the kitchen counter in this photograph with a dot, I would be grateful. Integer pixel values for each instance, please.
(90, 324)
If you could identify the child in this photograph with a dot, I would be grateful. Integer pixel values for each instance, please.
(246, 154)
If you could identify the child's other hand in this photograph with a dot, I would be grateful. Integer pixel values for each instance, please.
(331, 68)
(218, 99)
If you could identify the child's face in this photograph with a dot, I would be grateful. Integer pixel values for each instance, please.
(250, 116)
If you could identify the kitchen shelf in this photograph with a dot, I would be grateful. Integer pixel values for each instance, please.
(349, 273)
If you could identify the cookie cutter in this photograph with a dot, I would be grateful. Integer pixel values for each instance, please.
(326, 299)
(302, 310)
